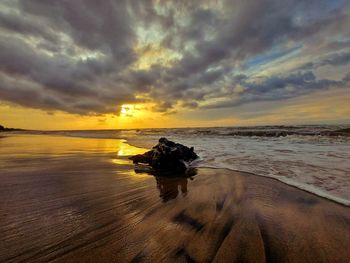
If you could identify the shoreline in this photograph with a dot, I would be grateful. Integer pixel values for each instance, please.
(301, 186)
(148, 144)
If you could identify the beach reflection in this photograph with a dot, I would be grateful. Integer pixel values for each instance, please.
(170, 185)
(30, 145)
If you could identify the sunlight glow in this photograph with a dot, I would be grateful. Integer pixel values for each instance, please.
(128, 110)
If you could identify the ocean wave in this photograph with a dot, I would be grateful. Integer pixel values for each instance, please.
(341, 131)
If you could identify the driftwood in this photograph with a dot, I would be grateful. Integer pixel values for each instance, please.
(167, 155)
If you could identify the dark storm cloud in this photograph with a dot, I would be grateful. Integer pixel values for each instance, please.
(338, 59)
(94, 25)
(335, 59)
(20, 24)
(280, 88)
(73, 81)
(58, 73)
(27, 94)
(238, 37)
(79, 56)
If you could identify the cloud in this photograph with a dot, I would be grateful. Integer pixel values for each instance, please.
(20, 24)
(337, 59)
(279, 88)
(83, 56)
(334, 59)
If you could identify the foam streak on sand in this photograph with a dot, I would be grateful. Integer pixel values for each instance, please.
(305, 187)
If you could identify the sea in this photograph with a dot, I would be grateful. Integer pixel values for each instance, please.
(309, 157)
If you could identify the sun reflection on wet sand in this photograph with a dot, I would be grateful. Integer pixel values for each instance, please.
(121, 161)
(56, 145)
(125, 149)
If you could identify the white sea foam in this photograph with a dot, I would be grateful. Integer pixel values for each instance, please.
(319, 166)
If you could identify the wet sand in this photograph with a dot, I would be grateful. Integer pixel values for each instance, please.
(80, 200)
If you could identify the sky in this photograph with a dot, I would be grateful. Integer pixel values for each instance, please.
(111, 64)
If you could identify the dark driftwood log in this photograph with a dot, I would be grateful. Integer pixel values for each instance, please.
(167, 155)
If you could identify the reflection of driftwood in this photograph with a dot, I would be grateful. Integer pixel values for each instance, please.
(169, 187)
(140, 168)
(167, 155)
(169, 183)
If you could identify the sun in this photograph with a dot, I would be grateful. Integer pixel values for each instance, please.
(127, 110)
(139, 115)
(123, 110)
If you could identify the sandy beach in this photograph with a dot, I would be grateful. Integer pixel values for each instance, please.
(80, 200)
(175, 131)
